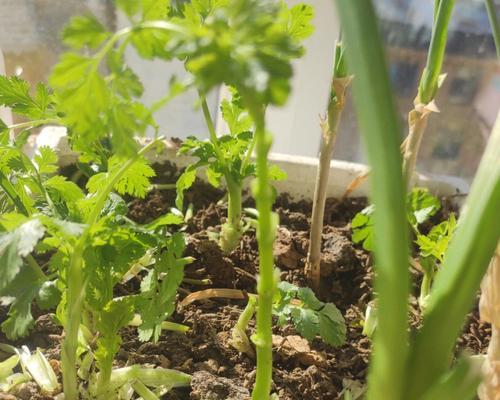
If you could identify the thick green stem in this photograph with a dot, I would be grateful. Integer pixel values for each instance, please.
(425, 290)
(239, 338)
(266, 232)
(495, 25)
(380, 133)
(231, 231)
(455, 287)
(429, 81)
(75, 294)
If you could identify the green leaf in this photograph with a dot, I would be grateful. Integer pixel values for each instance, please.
(15, 93)
(135, 181)
(213, 176)
(23, 289)
(65, 190)
(4, 133)
(310, 316)
(276, 173)
(298, 21)
(237, 119)
(84, 31)
(16, 245)
(362, 228)
(46, 160)
(332, 328)
(165, 220)
(71, 70)
(421, 205)
(184, 182)
(158, 297)
(114, 316)
(306, 322)
(129, 7)
(48, 295)
(436, 242)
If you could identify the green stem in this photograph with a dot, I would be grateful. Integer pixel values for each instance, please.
(425, 290)
(211, 129)
(35, 267)
(231, 231)
(11, 192)
(381, 135)
(495, 25)
(75, 294)
(266, 232)
(428, 83)
(33, 124)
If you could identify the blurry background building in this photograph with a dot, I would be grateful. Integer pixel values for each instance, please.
(469, 99)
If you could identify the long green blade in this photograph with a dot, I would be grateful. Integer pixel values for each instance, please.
(381, 137)
(458, 280)
(429, 81)
(495, 25)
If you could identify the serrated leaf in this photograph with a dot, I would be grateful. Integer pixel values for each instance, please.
(129, 7)
(184, 182)
(16, 245)
(84, 31)
(237, 119)
(23, 288)
(309, 299)
(15, 93)
(421, 205)
(66, 190)
(332, 328)
(213, 176)
(165, 220)
(46, 160)
(298, 21)
(135, 181)
(48, 295)
(306, 322)
(276, 173)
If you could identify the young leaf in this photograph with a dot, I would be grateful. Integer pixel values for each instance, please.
(362, 228)
(134, 182)
(84, 31)
(298, 21)
(15, 93)
(421, 205)
(63, 189)
(46, 160)
(16, 245)
(310, 316)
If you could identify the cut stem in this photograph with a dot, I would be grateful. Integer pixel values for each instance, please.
(329, 128)
(239, 338)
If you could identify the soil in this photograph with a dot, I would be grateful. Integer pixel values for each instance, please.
(302, 370)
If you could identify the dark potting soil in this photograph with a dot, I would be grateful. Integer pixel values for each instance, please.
(302, 370)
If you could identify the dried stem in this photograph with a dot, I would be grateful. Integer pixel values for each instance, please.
(489, 308)
(329, 129)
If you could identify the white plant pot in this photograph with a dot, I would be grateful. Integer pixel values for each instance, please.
(301, 171)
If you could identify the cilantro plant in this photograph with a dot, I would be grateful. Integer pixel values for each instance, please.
(421, 205)
(226, 157)
(245, 44)
(300, 307)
